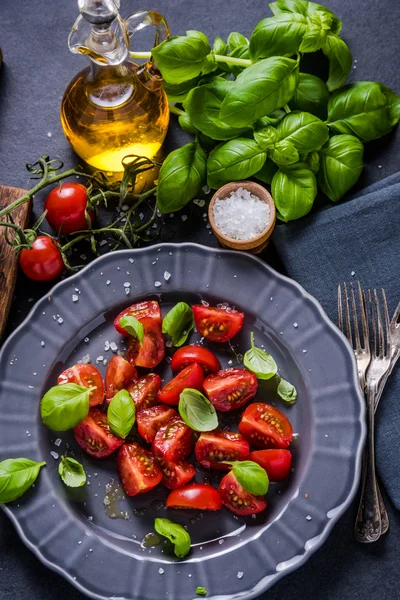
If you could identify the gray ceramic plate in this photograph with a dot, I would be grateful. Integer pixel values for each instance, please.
(232, 558)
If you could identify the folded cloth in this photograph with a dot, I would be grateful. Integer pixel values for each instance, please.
(355, 240)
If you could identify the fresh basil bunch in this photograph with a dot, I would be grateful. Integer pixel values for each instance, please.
(254, 114)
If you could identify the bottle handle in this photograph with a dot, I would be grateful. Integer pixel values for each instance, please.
(148, 18)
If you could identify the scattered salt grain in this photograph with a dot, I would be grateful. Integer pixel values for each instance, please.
(304, 351)
(167, 276)
(295, 325)
(75, 298)
(83, 256)
(105, 362)
(242, 215)
(157, 283)
(206, 189)
(54, 455)
(131, 260)
(127, 284)
(86, 340)
(103, 243)
(308, 517)
(86, 359)
(108, 282)
(352, 273)
(99, 359)
(168, 343)
(200, 203)
(184, 217)
(58, 442)
(161, 570)
(379, 166)
(220, 542)
(49, 134)
(106, 346)
(113, 347)
(30, 387)
(42, 344)
(239, 574)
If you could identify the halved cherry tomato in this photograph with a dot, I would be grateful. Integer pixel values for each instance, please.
(216, 447)
(175, 475)
(148, 309)
(144, 391)
(137, 469)
(43, 260)
(230, 389)
(149, 420)
(265, 426)
(66, 205)
(120, 373)
(239, 500)
(173, 440)
(195, 354)
(277, 462)
(94, 436)
(197, 495)
(87, 376)
(191, 377)
(217, 324)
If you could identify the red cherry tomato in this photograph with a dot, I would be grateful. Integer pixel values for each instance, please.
(237, 499)
(174, 441)
(144, 391)
(230, 389)
(195, 354)
(265, 426)
(43, 261)
(149, 420)
(216, 447)
(140, 310)
(175, 475)
(277, 463)
(66, 205)
(197, 495)
(94, 436)
(137, 469)
(120, 373)
(87, 376)
(191, 377)
(217, 324)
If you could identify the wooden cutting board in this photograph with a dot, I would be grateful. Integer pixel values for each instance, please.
(8, 258)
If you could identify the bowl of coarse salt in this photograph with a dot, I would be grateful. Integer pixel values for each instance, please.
(242, 215)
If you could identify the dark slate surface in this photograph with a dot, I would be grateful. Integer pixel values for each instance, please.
(37, 69)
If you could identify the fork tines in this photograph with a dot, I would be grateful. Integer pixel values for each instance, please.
(351, 311)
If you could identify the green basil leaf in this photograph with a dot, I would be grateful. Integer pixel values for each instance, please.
(294, 188)
(178, 323)
(176, 534)
(304, 130)
(219, 46)
(267, 172)
(186, 124)
(341, 165)
(273, 119)
(197, 411)
(360, 109)
(340, 60)
(201, 591)
(393, 103)
(182, 57)
(287, 392)
(210, 64)
(133, 327)
(259, 362)
(16, 477)
(177, 92)
(235, 160)
(259, 90)
(311, 96)
(251, 476)
(284, 153)
(206, 142)
(312, 160)
(336, 24)
(182, 175)
(71, 472)
(278, 35)
(64, 406)
(236, 39)
(266, 137)
(203, 105)
(121, 414)
(313, 40)
(238, 52)
(291, 6)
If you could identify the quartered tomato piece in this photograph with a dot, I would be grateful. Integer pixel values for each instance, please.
(237, 499)
(175, 475)
(277, 463)
(216, 447)
(197, 495)
(140, 310)
(195, 354)
(265, 426)
(144, 391)
(174, 441)
(217, 324)
(120, 373)
(230, 389)
(192, 376)
(149, 420)
(137, 469)
(87, 376)
(94, 436)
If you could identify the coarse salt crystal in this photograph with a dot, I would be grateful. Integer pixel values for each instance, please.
(200, 203)
(113, 347)
(295, 325)
(308, 517)
(42, 344)
(239, 574)
(99, 359)
(131, 260)
(161, 570)
(157, 283)
(75, 298)
(127, 284)
(55, 455)
(60, 320)
(57, 442)
(184, 217)
(242, 215)
(108, 282)
(103, 243)
(167, 275)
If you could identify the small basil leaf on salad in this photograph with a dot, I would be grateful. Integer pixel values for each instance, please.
(287, 392)
(174, 533)
(16, 477)
(197, 411)
(259, 362)
(178, 323)
(133, 327)
(121, 414)
(201, 591)
(251, 476)
(64, 406)
(71, 472)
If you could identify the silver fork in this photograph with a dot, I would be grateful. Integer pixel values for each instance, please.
(395, 350)
(368, 526)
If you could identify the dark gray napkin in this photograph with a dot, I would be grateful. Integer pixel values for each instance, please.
(355, 240)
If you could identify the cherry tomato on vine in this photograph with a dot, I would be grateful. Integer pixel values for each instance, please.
(217, 324)
(137, 469)
(120, 373)
(94, 436)
(197, 495)
(191, 377)
(214, 448)
(230, 389)
(43, 261)
(195, 354)
(149, 420)
(87, 376)
(66, 205)
(276, 462)
(265, 426)
(239, 500)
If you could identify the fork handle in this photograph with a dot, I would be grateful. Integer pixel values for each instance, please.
(368, 525)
